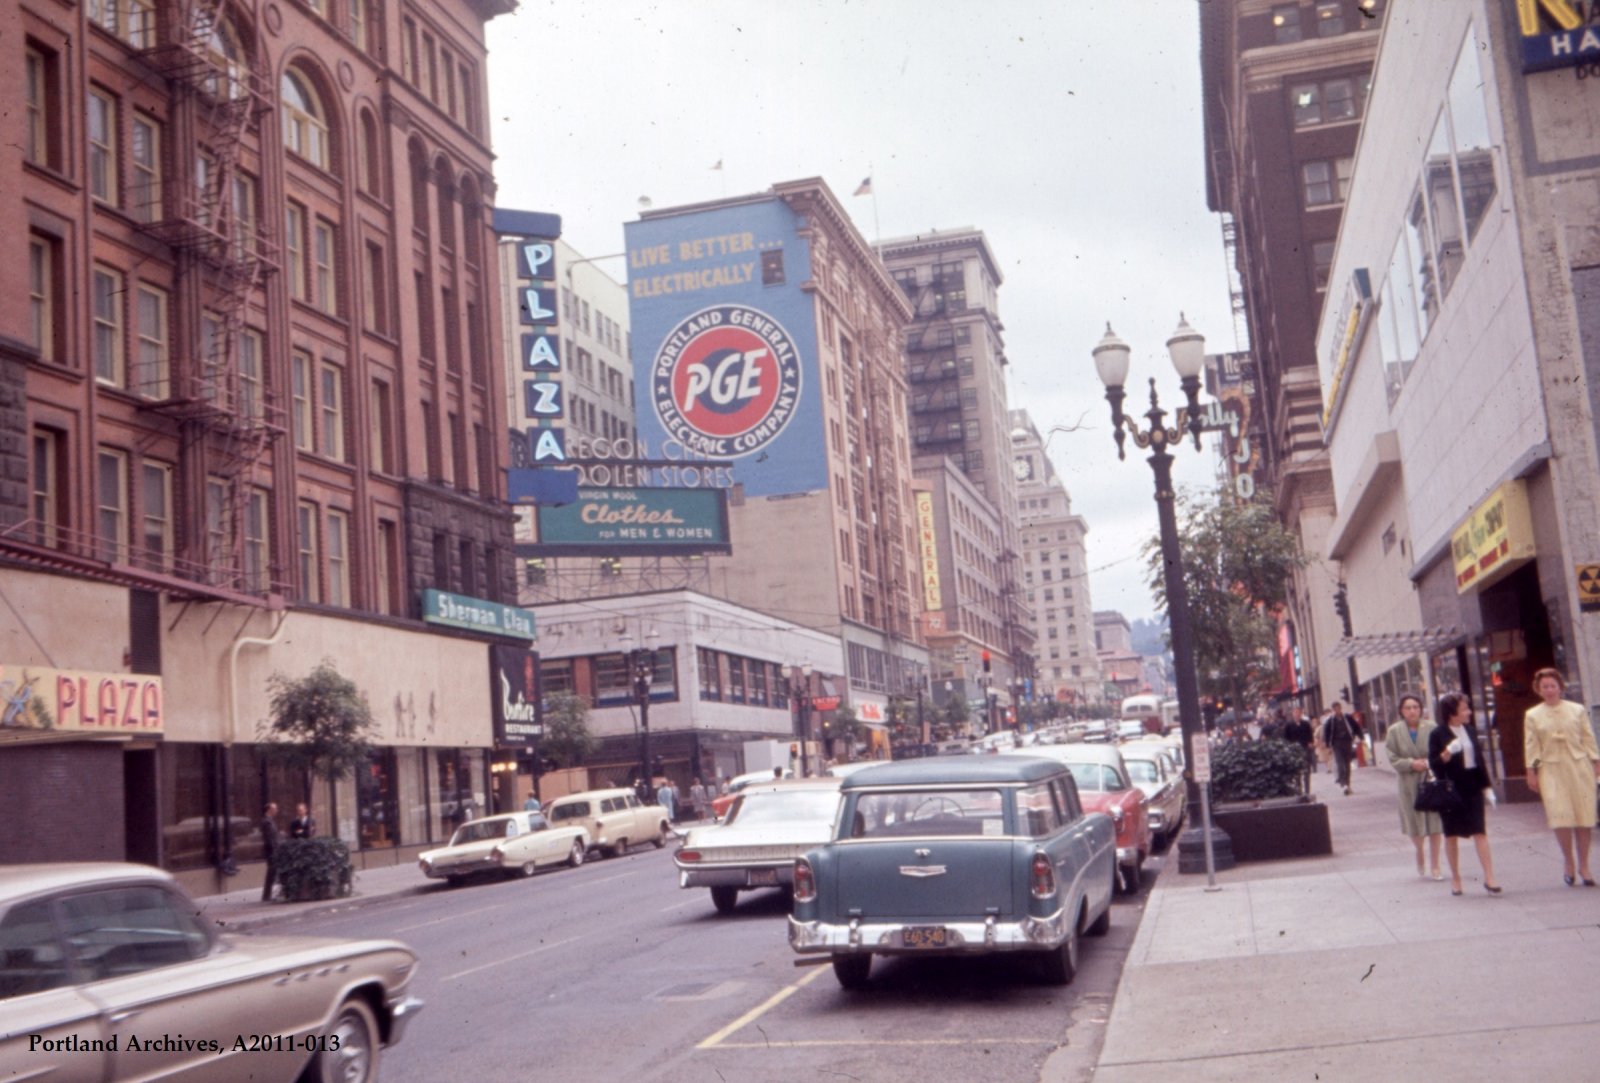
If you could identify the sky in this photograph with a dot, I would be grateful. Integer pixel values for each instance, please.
(1069, 131)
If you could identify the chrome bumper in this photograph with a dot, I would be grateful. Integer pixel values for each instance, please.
(884, 938)
(1158, 820)
(736, 875)
(1128, 856)
(462, 868)
(400, 1016)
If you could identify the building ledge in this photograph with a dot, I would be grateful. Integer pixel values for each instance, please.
(1378, 471)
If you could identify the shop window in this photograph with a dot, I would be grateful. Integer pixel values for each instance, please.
(377, 797)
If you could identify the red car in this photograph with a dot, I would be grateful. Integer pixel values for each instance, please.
(1105, 786)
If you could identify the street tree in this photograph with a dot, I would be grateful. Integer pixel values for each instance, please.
(846, 727)
(319, 723)
(1237, 562)
(567, 739)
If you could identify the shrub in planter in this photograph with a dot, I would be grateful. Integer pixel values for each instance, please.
(1256, 771)
(314, 869)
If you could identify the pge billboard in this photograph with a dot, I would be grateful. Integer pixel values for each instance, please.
(725, 351)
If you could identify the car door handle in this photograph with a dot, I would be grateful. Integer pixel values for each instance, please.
(123, 1017)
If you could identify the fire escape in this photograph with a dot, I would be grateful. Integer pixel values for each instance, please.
(210, 217)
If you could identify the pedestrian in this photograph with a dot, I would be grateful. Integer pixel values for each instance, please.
(1407, 745)
(698, 799)
(304, 825)
(1563, 766)
(531, 804)
(667, 798)
(1297, 730)
(1454, 753)
(1340, 735)
(269, 847)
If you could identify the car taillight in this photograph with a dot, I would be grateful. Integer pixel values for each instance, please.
(1043, 876)
(805, 882)
(1116, 816)
(688, 855)
(498, 855)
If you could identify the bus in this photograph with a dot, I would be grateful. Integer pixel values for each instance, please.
(1147, 705)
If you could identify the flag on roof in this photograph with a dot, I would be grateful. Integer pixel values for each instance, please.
(864, 188)
(718, 166)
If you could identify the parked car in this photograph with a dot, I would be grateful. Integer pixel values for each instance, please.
(1104, 786)
(615, 819)
(769, 825)
(104, 952)
(721, 804)
(957, 855)
(1151, 767)
(516, 843)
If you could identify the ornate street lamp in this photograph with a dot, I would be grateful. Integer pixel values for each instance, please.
(1187, 350)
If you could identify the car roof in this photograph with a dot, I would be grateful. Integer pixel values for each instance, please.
(1108, 755)
(954, 769)
(17, 881)
(789, 784)
(591, 795)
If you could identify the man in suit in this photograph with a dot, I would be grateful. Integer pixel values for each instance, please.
(1298, 731)
(269, 847)
(1339, 734)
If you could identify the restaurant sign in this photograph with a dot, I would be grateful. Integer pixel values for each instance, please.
(34, 700)
(514, 703)
(1495, 540)
(476, 615)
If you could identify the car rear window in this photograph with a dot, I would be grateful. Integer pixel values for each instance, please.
(927, 814)
(1143, 770)
(1095, 777)
(576, 810)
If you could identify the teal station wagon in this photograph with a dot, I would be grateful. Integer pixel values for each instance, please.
(957, 855)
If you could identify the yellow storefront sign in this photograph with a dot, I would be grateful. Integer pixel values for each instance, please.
(1496, 539)
(35, 700)
(932, 596)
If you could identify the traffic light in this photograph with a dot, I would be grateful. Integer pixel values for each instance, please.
(1341, 605)
(988, 662)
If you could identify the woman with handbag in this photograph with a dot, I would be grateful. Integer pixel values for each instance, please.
(1455, 755)
(1407, 745)
(1563, 764)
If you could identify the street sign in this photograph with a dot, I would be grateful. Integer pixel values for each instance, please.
(1201, 751)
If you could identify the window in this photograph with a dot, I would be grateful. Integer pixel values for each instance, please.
(425, 343)
(219, 530)
(102, 126)
(47, 499)
(408, 50)
(381, 429)
(1307, 103)
(245, 226)
(1321, 263)
(1285, 23)
(330, 395)
(710, 683)
(107, 299)
(324, 239)
(1330, 18)
(36, 959)
(294, 248)
(338, 557)
(42, 101)
(251, 400)
(300, 383)
(458, 452)
(441, 560)
(371, 160)
(1339, 99)
(111, 496)
(433, 459)
(257, 541)
(152, 362)
(772, 267)
(133, 929)
(306, 533)
(305, 122)
(1325, 182)
(388, 556)
(736, 680)
(467, 554)
(155, 501)
(1469, 126)
(44, 263)
(356, 23)
(144, 181)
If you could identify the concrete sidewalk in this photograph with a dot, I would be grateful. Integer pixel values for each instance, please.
(1351, 967)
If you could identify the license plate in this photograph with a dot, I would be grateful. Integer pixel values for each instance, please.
(763, 877)
(924, 936)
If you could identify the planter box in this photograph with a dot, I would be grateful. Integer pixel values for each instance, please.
(1271, 830)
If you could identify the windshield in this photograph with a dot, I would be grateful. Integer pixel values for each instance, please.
(481, 830)
(928, 814)
(1143, 770)
(1094, 777)
(577, 810)
(798, 806)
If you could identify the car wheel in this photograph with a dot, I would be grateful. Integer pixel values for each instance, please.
(355, 1031)
(1061, 966)
(724, 899)
(661, 836)
(575, 855)
(527, 869)
(852, 970)
(619, 847)
(453, 881)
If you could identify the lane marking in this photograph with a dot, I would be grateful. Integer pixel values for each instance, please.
(760, 1009)
(452, 917)
(675, 906)
(508, 959)
(803, 1043)
(608, 879)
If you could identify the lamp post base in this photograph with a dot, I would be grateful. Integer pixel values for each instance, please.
(1192, 849)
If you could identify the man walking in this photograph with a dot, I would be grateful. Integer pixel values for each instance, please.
(269, 847)
(1340, 735)
(1298, 731)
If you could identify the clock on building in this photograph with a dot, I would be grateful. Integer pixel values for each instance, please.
(1022, 466)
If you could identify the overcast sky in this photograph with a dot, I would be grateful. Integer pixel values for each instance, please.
(1068, 131)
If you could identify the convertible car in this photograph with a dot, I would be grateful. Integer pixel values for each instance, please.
(956, 855)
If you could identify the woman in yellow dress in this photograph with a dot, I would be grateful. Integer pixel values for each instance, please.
(1563, 766)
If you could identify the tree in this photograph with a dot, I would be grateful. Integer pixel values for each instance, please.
(566, 739)
(846, 726)
(1237, 560)
(956, 712)
(319, 723)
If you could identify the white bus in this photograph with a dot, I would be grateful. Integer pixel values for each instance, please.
(1140, 707)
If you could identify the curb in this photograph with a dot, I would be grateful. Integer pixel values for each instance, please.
(273, 913)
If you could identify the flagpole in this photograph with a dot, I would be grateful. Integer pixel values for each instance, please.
(877, 231)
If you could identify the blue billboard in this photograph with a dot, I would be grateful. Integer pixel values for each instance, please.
(724, 343)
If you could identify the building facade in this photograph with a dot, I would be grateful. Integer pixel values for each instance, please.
(230, 446)
(1055, 574)
(1286, 87)
(1459, 358)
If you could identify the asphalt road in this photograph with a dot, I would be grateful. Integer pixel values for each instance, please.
(612, 972)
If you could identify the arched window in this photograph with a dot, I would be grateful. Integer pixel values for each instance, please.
(226, 55)
(471, 221)
(305, 120)
(371, 156)
(445, 189)
(419, 187)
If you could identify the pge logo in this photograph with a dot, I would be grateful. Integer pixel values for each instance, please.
(726, 380)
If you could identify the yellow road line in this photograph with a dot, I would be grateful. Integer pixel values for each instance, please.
(760, 1009)
(780, 1044)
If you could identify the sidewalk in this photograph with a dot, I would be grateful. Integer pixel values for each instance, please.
(1350, 967)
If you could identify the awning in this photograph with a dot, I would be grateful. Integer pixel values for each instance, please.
(1396, 644)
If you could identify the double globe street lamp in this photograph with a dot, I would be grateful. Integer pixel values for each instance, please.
(1187, 349)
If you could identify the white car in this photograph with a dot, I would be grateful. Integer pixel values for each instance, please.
(615, 818)
(1150, 767)
(769, 825)
(517, 843)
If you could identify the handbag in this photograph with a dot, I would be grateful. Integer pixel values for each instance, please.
(1435, 794)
